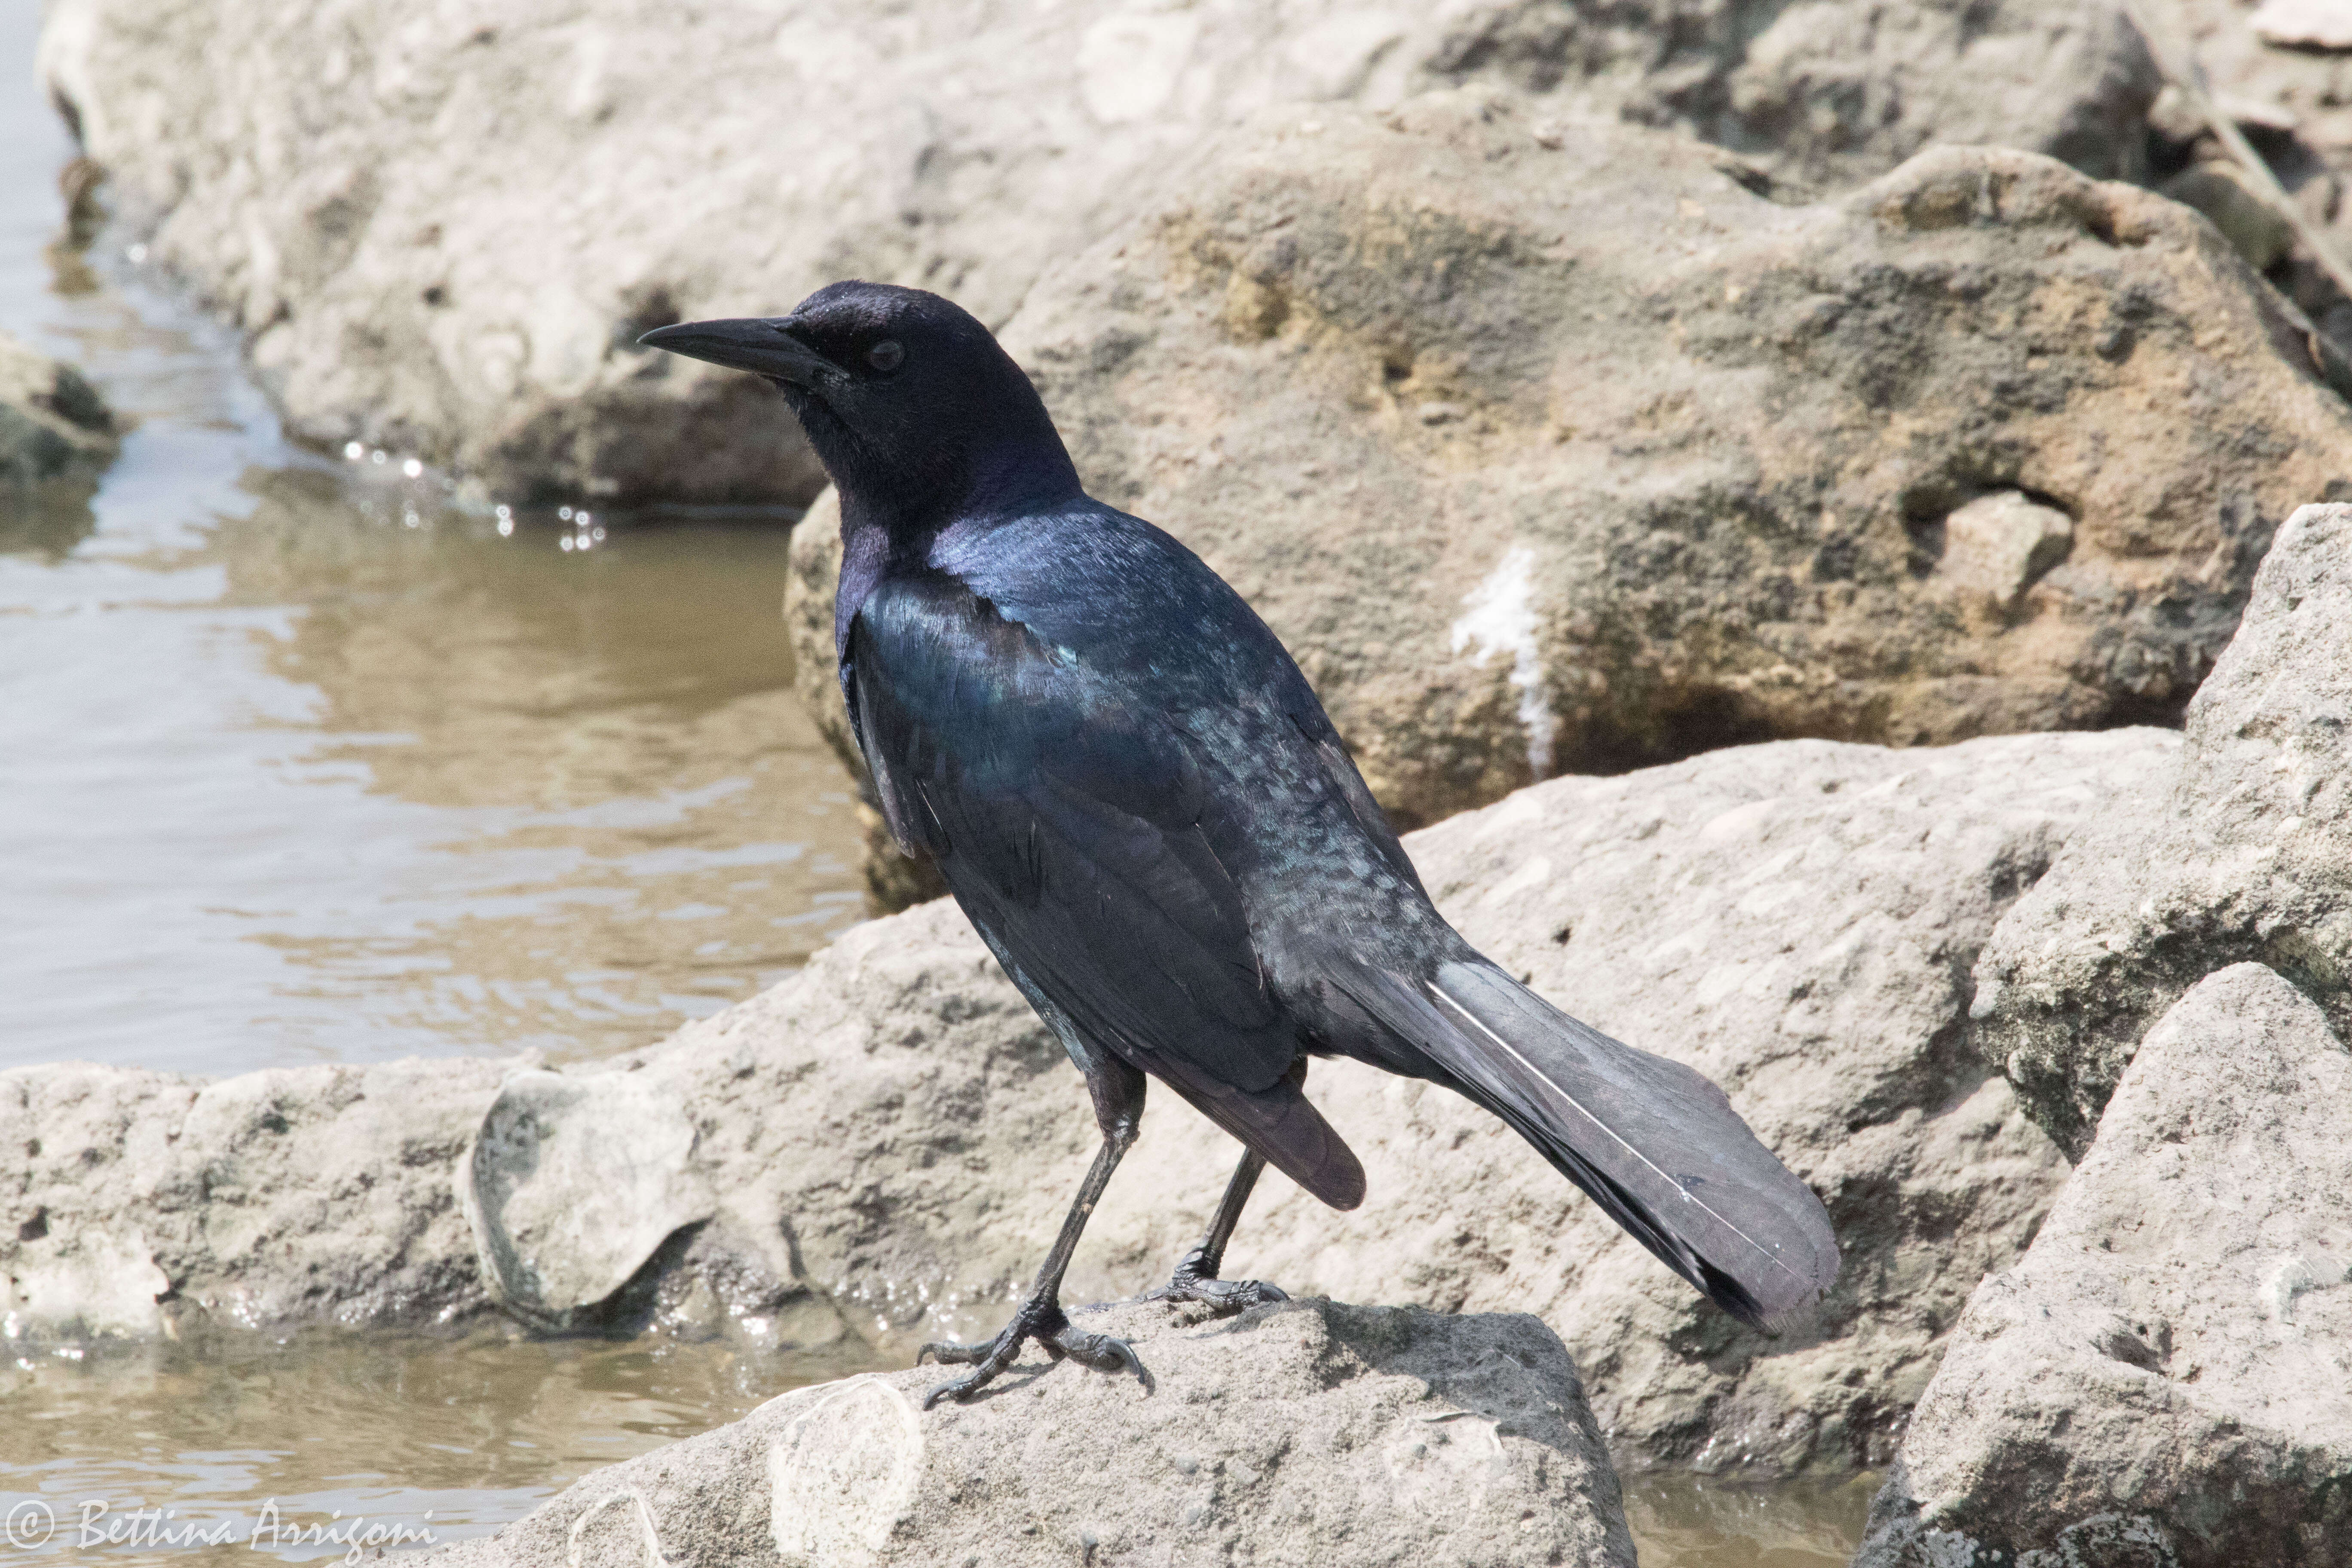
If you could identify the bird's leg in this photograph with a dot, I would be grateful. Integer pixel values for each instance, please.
(1196, 1275)
(1195, 1278)
(1118, 1091)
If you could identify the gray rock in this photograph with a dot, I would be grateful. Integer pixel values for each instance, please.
(1546, 445)
(444, 232)
(53, 424)
(2162, 1383)
(888, 1139)
(572, 1185)
(2248, 855)
(2230, 202)
(134, 1202)
(1307, 1434)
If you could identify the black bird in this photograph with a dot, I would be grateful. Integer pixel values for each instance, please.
(1132, 793)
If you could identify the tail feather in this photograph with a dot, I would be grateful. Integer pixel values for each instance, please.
(1281, 1123)
(1653, 1143)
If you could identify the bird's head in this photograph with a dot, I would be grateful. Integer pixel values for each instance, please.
(916, 412)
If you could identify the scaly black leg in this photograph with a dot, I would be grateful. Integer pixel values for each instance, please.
(1118, 1091)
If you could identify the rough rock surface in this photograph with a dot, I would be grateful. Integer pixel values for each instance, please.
(53, 424)
(890, 1137)
(1547, 444)
(2164, 1382)
(296, 1194)
(2250, 858)
(1308, 1433)
(445, 226)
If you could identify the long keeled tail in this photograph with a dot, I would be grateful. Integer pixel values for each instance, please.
(1653, 1143)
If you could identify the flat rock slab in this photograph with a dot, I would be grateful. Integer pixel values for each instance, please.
(131, 1200)
(571, 1183)
(1308, 1433)
(2165, 1380)
(2246, 857)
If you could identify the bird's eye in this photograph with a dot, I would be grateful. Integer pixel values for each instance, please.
(886, 355)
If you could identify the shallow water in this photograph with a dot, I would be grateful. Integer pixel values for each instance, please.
(302, 761)
(177, 1455)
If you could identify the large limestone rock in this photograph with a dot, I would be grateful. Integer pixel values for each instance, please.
(885, 1144)
(445, 226)
(1547, 444)
(1309, 1434)
(2163, 1382)
(2249, 856)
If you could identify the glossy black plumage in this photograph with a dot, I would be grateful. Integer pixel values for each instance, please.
(1133, 793)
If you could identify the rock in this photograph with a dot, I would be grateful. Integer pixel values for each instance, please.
(445, 231)
(1547, 445)
(888, 1138)
(2000, 545)
(53, 424)
(2248, 855)
(572, 1185)
(1307, 1433)
(2324, 26)
(131, 1201)
(2162, 1380)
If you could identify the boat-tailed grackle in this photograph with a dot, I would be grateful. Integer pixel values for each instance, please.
(1131, 791)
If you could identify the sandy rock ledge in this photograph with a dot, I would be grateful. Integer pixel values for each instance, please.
(1310, 1434)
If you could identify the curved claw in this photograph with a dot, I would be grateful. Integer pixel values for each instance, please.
(1100, 1352)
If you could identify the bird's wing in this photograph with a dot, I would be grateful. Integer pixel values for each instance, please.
(1069, 827)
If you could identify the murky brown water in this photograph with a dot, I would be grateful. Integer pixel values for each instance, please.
(176, 1456)
(302, 761)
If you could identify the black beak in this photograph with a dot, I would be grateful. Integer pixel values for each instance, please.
(762, 346)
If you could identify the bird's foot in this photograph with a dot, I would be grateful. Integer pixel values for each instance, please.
(1196, 1281)
(1043, 1321)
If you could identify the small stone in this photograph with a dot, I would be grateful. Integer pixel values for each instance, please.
(1997, 546)
(54, 425)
